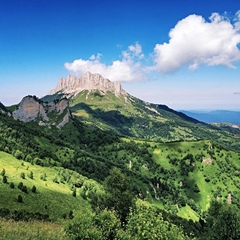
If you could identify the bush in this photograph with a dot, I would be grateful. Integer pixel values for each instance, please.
(20, 199)
(3, 172)
(5, 181)
(34, 189)
(22, 175)
(20, 185)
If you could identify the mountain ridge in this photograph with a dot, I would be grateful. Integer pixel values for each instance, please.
(215, 116)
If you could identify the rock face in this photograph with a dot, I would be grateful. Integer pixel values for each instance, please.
(73, 85)
(32, 109)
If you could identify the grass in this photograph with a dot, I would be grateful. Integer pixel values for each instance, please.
(10, 230)
(54, 199)
(187, 213)
(219, 172)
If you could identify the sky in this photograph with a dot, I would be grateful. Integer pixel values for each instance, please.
(184, 54)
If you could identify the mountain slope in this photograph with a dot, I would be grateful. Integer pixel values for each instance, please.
(98, 102)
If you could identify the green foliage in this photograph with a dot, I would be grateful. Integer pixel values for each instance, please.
(74, 193)
(30, 175)
(22, 175)
(83, 228)
(3, 172)
(19, 199)
(146, 223)
(222, 222)
(4, 180)
(143, 222)
(118, 193)
(34, 189)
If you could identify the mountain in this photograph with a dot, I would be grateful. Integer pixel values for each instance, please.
(217, 116)
(55, 113)
(72, 85)
(98, 102)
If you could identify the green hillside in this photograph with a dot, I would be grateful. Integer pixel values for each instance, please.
(130, 116)
(114, 153)
(53, 194)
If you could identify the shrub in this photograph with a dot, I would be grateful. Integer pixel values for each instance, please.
(22, 175)
(20, 199)
(5, 181)
(34, 189)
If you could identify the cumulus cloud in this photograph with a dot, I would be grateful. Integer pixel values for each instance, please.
(194, 41)
(127, 69)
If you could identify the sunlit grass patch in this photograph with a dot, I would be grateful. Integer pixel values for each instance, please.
(20, 230)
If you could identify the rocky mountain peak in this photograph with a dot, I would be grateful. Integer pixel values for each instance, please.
(33, 109)
(72, 85)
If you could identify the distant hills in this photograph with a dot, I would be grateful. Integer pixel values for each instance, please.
(217, 116)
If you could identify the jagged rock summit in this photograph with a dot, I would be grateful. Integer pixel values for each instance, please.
(72, 85)
(46, 114)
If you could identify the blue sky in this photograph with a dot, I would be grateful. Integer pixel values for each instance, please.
(184, 54)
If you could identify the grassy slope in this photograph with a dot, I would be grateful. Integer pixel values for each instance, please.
(127, 115)
(31, 230)
(51, 198)
(224, 176)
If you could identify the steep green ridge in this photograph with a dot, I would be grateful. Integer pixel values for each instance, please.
(129, 116)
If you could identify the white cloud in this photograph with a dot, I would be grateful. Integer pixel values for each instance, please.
(194, 41)
(128, 69)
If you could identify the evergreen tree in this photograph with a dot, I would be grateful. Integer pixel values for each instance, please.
(3, 172)
(22, 175)
(24, 189)
(34, 189)
(30, 175)
(20, 199)
(74, 193)
(5, 181)
(20, 185)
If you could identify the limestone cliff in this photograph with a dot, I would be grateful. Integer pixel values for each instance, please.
(46, 114)
(73, 85)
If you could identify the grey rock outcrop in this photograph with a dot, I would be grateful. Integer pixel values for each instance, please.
(32, 109)
(73, 85)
